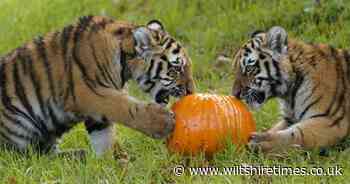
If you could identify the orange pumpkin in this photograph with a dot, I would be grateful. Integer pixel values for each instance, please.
(204, 123)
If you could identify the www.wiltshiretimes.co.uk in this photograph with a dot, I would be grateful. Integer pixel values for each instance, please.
(249, 170)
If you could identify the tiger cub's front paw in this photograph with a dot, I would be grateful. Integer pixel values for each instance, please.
(159, 122)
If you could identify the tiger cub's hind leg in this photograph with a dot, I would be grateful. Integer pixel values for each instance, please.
(102, 137)
(102, 134)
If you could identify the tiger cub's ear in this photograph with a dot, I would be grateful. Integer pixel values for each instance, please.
(142, 37)
(254, 33)
(277, 40)
(155, 25)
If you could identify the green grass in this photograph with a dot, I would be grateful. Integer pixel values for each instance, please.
(206, 29)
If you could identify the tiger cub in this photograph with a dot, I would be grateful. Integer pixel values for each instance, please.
(77, 74)
(311, 82)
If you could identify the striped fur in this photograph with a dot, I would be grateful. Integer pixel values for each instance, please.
(78, 73)
(310, 80)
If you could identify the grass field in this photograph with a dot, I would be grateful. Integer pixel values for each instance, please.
(207, 29)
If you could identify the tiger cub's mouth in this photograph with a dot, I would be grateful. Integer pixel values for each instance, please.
(255, 99)
(163, 96)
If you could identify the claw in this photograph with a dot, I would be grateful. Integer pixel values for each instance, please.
(260, 137)
(260, 142)
(251, 138)
(254, 147)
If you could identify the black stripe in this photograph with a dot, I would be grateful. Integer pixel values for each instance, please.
(273, 85)
(169, 43)
(60, 128)
(82, 26)
(101, 68)
(71, 85)
(277, 68)
(341, 101)
(158, 70)
(347, 60)
(19, 123)
(108, 60)
(92, 87)
(125, 73)
(6, 137)
(6, 100)
(335, 96)
(333, 100)
(297, 84)
(14, 133)
(24, 66)
(107, 69)
(38, 122)
(108, 73)
(93, 51)
(344, 78)
(312, 92)
(341, 117)
(149, 70)
(265, 79)
(267, 66)
(104, 81)
(100, 82)
(45, 131)
(65, 37)
(103, 73)
(318, 115)
(165, 40)
(42, 53)
(306, 109)
(131, 114)
(55, 48)
(23, 61)
(37, 86)
(21, 93)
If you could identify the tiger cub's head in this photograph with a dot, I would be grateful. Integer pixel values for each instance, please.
(259, 67)
(165, 69)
